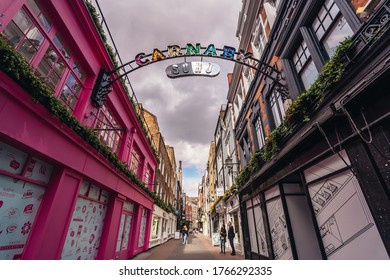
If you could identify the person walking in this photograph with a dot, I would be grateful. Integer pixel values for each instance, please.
(231, 236)
(222, 238)
(184, 232)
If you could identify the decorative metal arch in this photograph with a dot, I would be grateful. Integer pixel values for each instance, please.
(104, 81)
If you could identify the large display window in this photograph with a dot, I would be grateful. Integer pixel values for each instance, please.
(256, 227)
(277, 223)
(84, 233)
(142, 232)
(344, 220)
(23, 180)
(125, 227)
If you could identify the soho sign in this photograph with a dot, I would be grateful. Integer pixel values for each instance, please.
(193, 68)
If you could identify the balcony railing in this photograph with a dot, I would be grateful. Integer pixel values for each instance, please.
(376, 26)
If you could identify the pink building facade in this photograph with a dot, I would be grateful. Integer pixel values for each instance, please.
(60, 198)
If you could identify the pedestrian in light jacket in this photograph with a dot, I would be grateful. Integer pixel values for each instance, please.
(231, 236)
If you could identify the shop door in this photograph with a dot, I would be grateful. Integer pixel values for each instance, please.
(122, 245)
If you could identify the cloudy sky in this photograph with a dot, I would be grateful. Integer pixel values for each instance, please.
(187, 108)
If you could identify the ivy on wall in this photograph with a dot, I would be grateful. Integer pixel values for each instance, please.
(15, 66)
(225, 197)
(95, 17)
(300, 110)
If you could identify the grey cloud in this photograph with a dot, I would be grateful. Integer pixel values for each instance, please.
(186, 108)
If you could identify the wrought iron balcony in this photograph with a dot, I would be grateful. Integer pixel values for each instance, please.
(371, 32)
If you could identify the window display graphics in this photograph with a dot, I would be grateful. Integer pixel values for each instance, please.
(19, 204)
(141, 239)
(257, 232)
(19, 199)
(14, 161)
(344, 220)
(278, 227)
(84, 233)
(124, 232)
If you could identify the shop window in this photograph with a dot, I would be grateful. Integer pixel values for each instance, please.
(343, 217)
(108, 128)
(23, 181)
(86, 226)
(26, 33)
(304, 65)
(156, 221)
(125, 226)
(331, 27)
(277, 225)
(142, 231)
(256, 227)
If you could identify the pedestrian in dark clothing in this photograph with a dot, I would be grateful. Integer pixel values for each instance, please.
(185, 234)
(231, 236)
(222, 237)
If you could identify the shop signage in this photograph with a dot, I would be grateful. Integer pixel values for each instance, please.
(193, 68)
(177, 51)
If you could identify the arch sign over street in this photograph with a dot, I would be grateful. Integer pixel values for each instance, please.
(193, 68)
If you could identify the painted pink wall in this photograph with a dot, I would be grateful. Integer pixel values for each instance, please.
(29, 126)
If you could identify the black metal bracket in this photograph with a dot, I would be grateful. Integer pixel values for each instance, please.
(104, 81)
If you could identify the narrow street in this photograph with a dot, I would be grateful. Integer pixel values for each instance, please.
(198, 248)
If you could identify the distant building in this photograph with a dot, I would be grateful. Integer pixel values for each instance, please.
(165, 182)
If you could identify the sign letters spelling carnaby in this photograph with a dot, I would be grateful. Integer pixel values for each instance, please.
(177, 51)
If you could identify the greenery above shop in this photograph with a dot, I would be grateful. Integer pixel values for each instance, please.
(15, 66)
(225, 197)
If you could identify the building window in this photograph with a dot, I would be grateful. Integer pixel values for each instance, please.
(259, 39)
(136, 162)
(304, 65)
(41, 15)
(23, 34)
(259, 132)
(331, 27)
(245, 147)
(277, 108)
(106, 126)
(26, 33)
(148, 176)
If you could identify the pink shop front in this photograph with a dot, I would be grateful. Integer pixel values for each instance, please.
(50, 211)
(60, 198)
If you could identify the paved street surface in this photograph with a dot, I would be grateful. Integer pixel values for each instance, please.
(198, 248)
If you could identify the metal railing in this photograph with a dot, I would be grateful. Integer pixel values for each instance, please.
(127, 83)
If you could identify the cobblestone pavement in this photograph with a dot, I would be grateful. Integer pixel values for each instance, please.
(199, 247)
